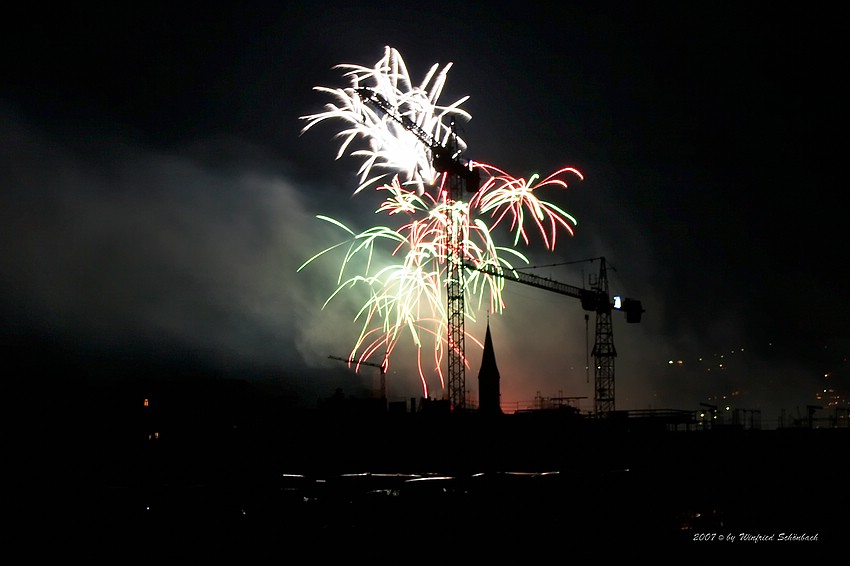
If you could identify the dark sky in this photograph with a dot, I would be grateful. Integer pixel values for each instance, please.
(157, 196)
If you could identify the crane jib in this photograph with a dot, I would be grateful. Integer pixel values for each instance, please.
(591, 299)
(443, 158)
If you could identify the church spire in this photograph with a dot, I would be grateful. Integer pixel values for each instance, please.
(488, 379)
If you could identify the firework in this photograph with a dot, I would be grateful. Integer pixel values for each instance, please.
(505, 196)
(407, 286)
(391, 145)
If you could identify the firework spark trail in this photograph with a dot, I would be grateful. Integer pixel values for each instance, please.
(407, 293)
(502, 195)
(392, 146)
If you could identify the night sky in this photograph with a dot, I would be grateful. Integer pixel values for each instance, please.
(158, 196)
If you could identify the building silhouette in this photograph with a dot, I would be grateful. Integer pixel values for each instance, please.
(490, 397)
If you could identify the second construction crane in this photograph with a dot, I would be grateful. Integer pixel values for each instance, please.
(596, 299)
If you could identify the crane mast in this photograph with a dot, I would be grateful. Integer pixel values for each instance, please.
(460, 176)
(603, 352)
(455, 290)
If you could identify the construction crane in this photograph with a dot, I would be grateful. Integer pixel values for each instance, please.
(596, 299)
(460, 176)
(381, 367)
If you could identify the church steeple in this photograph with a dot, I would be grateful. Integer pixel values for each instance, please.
(488, 379)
